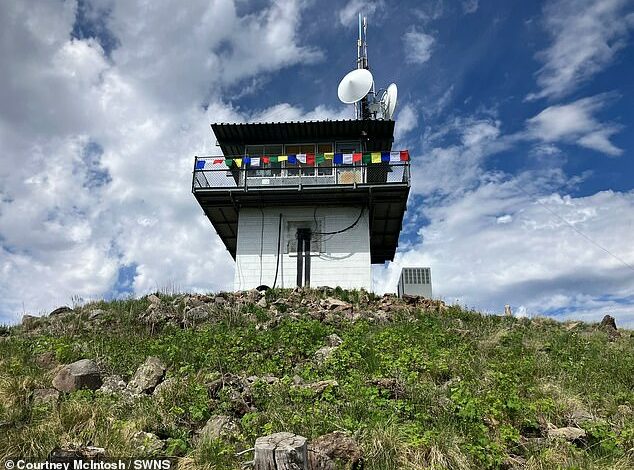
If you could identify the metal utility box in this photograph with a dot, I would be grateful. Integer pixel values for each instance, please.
(415, 281)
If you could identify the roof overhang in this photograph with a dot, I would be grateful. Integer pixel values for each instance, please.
(232, 138)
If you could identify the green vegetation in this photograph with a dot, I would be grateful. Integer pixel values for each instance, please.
(437, 388)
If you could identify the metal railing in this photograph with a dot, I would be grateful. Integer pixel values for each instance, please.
(219, 176)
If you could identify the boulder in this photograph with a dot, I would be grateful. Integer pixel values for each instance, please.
(154, 299)
(46, 360)
(324, 451)
(60, 311)
(147, 376)
(196, 315)
(45, 396)
(165, 387)
(333, 340)
(263, 303)
(83, 374)
(147, 443)
(95, 313)
(330, 303)
(218, 427)
(608, 324)
(30, 322)
(568, 433)
(323, 354)
(68, 454)
(113, 384)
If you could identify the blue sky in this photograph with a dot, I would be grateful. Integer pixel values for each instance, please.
(518, 117)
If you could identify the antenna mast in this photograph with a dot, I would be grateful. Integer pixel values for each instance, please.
(362, 109)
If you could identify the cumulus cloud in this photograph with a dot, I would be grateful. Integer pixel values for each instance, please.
(574, 123)
(349, 13)
(406, 121)
(586, 35)
(501, 243)
(418, 46)
(98, 142)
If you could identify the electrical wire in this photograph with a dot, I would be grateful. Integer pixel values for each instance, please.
(618, 258)
(350, 227)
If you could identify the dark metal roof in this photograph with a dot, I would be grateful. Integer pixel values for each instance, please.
(232, 138)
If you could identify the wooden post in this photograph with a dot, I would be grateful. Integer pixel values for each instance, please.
(281, 451)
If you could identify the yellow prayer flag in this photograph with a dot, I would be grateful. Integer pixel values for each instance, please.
(238, 162)
(282, 158)
(329, 155)
(376, 157)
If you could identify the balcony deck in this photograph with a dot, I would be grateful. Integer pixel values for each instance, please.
(382, 187)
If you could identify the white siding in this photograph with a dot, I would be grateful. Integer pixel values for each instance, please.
(343, 260)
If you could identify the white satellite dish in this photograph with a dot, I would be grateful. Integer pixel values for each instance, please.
(355, 85)
(389, 101)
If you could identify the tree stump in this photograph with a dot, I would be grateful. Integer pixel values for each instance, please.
(281, 451)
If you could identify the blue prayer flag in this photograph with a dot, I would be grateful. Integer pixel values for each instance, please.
(338, 159)
(200, 164)
(292, 159)
(385, 157)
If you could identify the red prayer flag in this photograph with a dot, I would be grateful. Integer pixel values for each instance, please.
(356, 157)
(404, 155)
(217, 160)
(310, 159)
(265, 159)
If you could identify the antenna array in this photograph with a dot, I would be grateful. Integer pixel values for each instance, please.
(357, 87)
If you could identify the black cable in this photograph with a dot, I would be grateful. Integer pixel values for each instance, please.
(279, 243)
(338, 231)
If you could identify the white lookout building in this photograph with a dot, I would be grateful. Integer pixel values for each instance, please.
(309, 203)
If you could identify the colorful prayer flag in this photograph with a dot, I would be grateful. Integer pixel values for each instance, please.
(282, 158)
(216, 161)
(228, 162)
(404, 155)
(329, 155)
(338, 158)
(273, 159)
(320, 158)
(357, 157)
(376, 157)
(385, 157)
(292, 159)
(200, 164)
(310, 158)
(247, 161)
(266, 160)
(347, 159)
(255, 161)
(395, 157)
(301, 157)
(238, 162)
(367, 158)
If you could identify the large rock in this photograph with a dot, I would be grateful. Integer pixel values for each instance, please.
(68, 454)
(147, 444)
(608, 324)
(568, 433)
(147, 376)
(324, 451)
(218, 427)
(83, 374)
(60, 311)
(30, 322)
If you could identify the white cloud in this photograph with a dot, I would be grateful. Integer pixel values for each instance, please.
(469, 6)
(586, 34)
(574, 123)
(349, 13)
(418, 46)
(405, 121)
(97, 149)
(497, 245)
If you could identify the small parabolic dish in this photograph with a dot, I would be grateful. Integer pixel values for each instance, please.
(355, 85)
(391, 95)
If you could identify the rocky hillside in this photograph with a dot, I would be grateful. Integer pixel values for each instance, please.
(371, 382)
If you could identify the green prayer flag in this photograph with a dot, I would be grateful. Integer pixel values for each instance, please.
(319, 158)
(274, 159)
(367, 158)
(228, 162)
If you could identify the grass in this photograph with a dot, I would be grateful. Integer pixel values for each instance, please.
(471, 390)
